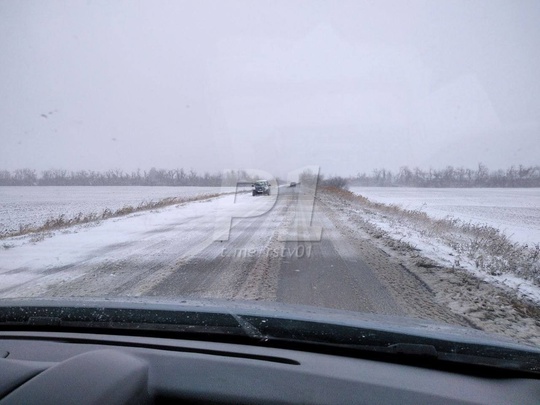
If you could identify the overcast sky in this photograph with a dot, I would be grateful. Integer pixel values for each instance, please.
(273, 85)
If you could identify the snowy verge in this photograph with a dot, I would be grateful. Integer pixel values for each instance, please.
(515, 211)
(483, 251)
(66, 221)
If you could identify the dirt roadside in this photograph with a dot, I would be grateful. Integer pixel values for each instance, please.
(471, 301)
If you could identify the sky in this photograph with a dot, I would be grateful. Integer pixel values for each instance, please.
(348, 86)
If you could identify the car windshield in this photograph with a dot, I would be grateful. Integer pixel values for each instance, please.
(399, 143)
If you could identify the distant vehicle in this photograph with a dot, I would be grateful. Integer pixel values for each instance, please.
(261, 187)
(293, 184)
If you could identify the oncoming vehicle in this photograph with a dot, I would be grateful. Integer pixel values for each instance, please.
(261, 187)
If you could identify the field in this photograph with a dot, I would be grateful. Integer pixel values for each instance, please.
(516, 212)
(494, 234)
(34, 205)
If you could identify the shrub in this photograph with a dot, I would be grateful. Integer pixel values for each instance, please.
(336, 182)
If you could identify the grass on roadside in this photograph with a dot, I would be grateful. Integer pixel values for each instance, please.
(63, 221)
(490, 249)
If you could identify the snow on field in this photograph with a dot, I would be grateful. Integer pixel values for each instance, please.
(48, 261)
(438, 249)
(514, 211)
(34, 205)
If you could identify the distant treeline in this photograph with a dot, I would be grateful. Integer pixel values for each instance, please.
(515, 176)
(152, 177)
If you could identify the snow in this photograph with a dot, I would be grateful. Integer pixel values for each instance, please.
(438, 248)
(22, 258)
(515, 211)
(34, 205)
(43, 262)
(76, 245)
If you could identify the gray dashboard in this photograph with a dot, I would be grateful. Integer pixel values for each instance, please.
(43, 367)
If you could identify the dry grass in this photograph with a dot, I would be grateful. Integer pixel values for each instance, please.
(41, 231)
(490, 249)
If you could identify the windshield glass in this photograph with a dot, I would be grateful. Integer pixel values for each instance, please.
(399, 142)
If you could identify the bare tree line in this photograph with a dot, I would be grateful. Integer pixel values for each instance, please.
(514, 176)
(152, 177)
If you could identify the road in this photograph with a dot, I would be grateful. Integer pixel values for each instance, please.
(288, 247)
(255, 264)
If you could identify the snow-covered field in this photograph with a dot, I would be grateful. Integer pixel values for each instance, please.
(516, 212)
(144, 237)
(34, 205)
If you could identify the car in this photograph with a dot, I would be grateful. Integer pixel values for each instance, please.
(261, 187)
(293, 184)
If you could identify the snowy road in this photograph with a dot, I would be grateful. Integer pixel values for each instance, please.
(173, 253)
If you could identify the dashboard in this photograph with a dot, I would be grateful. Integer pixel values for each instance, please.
(83, 368)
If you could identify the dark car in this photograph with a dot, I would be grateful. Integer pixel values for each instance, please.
(293, 184)
(261, 187)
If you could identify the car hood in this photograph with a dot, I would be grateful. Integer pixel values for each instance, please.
(276, 311)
